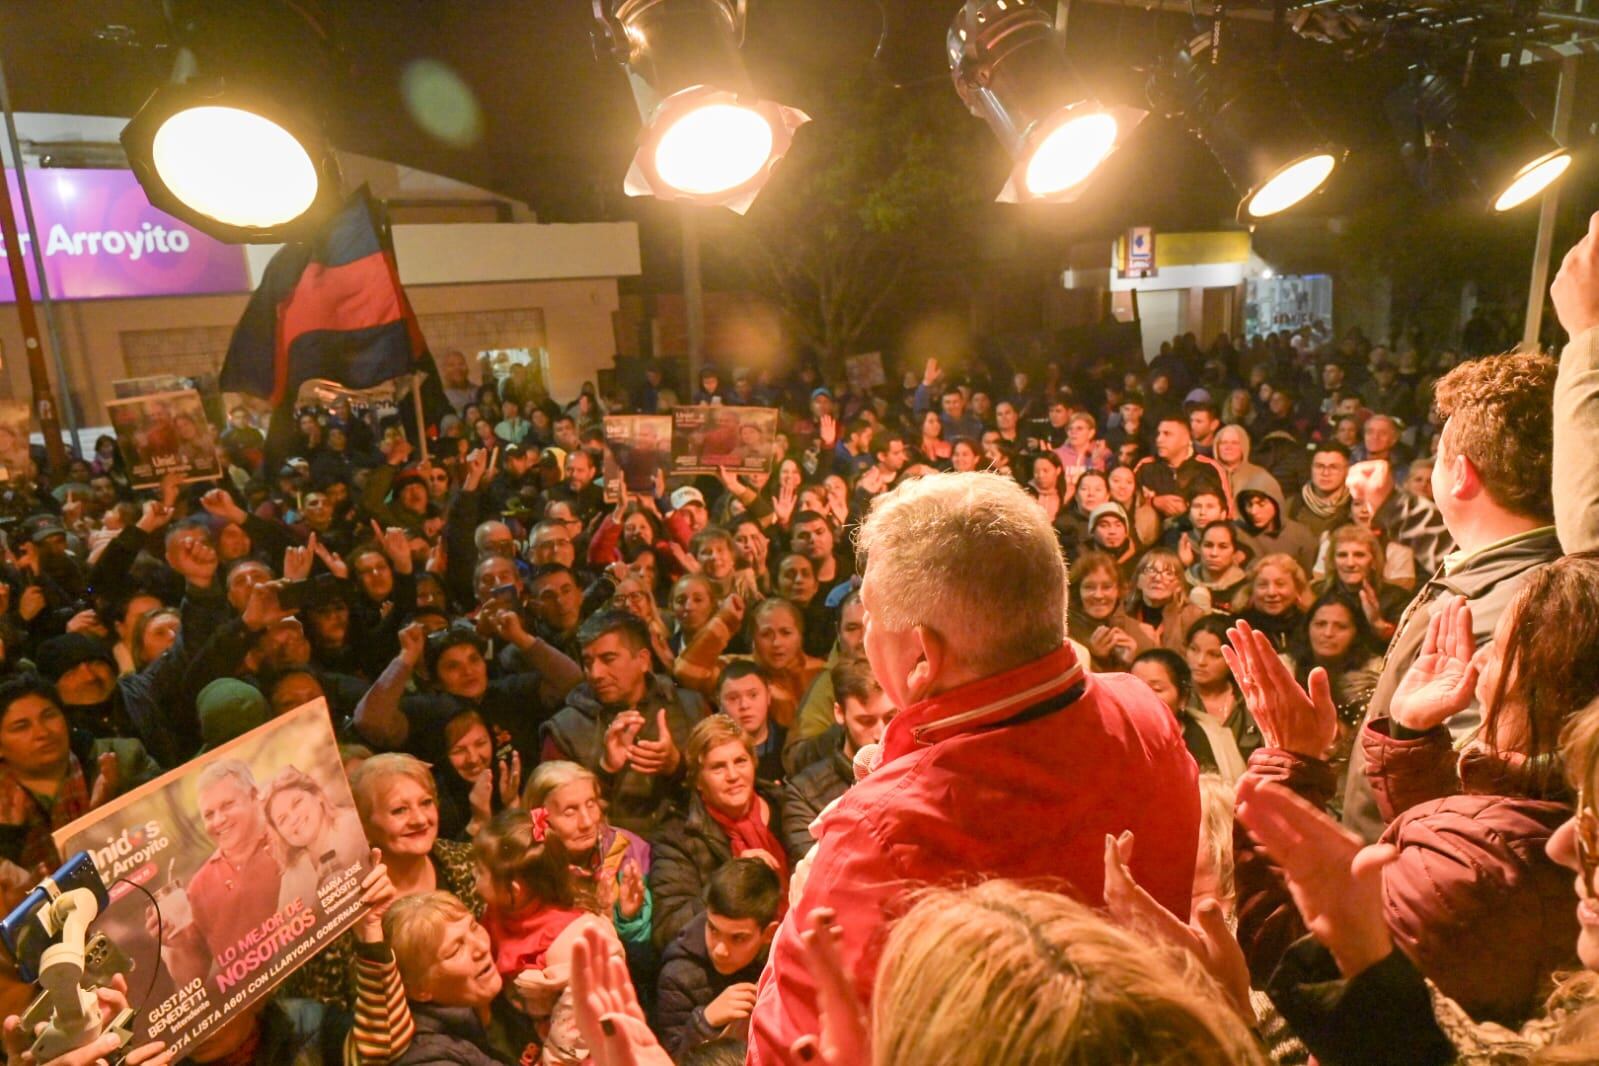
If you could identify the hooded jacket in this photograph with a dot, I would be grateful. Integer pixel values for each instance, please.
(1283, 536)
(577, 732)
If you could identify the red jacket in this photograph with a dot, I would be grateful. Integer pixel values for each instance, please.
(1472, 899)
(993, 779)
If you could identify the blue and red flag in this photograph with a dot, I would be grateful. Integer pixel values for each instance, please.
(333, 309)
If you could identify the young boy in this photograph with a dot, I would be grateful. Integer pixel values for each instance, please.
(708, 974)
(744, 695)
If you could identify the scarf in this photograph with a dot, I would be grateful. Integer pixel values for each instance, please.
(522, 939)
(751, 833)
(28, 811)
(1323, 506)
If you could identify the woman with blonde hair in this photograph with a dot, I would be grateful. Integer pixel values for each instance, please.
(314, 840)
(1279, 593)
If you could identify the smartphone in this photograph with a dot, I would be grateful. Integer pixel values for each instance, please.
(22, 931)
(505, 594)
(291, 594)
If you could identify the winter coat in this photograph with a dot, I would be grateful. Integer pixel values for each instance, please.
(1488, 580)
(812, 789)
(1472, 899)
(577, 733)
(689, 848)
(1020, 775)
(688, 983)
(1289, 538)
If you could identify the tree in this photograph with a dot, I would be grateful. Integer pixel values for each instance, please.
(880, 182)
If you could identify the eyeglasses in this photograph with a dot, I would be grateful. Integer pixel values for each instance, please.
(1587, 840)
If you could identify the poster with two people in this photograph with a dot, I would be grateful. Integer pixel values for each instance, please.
(252, 856)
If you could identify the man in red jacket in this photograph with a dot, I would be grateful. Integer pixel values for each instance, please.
(1007, 759)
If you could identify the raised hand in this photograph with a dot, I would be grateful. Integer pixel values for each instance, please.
(1305, 723)
(1441, 682)
(297, 560)
(413, 642)
(480, 800)
(618, 742)
(931, 373)
(828, 428)
(332, 560)
(732, 611)
(221, 504)
(395, 544)
(261, 608)
(155, 515)
(377, 893)
(477, 464)
(843, 1040)
(658, 756)
(107, 781)
(630, 896)
(32, 602)
(511, 780)
(1335, 881)
(784, 503)
(607, 1009)
(1207, 938)
(1576, 289)
(88, 623)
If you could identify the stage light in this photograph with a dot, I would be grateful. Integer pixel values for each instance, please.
(1269, 150)
(1477, 135)
(1010, 69)
(231, 162)
(706, 138)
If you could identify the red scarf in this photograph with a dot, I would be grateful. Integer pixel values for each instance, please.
(751, 833)
(522, 940)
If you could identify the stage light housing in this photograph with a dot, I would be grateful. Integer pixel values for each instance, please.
(232, 162)
(706, 137)
(1474, 135)
(1271, 152)
(1010, 69)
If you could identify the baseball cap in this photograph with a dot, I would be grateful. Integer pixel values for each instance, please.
(686, 495)
(60, 654)
(38, 527)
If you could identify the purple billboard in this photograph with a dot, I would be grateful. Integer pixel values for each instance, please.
(102, 239)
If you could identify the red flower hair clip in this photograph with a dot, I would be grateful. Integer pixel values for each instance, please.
(541, 824)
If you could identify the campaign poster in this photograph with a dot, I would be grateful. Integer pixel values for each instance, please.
(16, 419)
(163, 433)
(638, 446)
(738, 439)
(865, 372)
(254, 856)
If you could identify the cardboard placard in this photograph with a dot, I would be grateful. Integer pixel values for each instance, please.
(739, 439)
(163, 433)
(255, 856)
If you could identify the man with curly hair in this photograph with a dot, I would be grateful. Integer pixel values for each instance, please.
(1491, 481)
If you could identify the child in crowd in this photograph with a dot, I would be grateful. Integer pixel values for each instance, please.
(708, 976)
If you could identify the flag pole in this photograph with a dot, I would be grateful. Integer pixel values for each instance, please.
(421, 419)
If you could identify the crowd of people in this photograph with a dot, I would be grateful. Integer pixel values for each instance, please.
(1235, 707)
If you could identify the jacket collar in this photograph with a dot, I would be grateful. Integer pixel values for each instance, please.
(1516, 547)
(985, 702)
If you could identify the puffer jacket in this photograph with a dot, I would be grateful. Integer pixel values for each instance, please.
(689, 982)
(577, 733)
(689, 847)
(812, 789)
(1472, 899)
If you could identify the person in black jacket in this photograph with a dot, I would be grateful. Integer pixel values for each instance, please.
(824, 765)
(708, 976)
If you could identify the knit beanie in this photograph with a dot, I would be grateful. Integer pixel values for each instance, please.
(229, 708)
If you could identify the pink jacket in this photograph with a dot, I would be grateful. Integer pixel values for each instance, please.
(1000, 778)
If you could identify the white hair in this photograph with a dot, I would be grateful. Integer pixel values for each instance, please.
(223, 769)
(973, 558)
